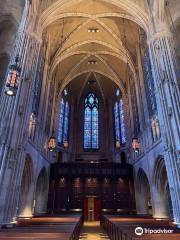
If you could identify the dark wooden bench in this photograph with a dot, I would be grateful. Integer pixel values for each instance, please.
(119, 228)
(28, 236)
(62, 227)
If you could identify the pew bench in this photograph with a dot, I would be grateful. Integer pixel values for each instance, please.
(120, 228)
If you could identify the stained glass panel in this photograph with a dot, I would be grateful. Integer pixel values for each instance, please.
(135, 113)
(61, 120)
(87, 128)
(66, 123)
(122, 125)
(117, 122)
(91, 122)
(95, 128)
(149, 84)
(120, 134)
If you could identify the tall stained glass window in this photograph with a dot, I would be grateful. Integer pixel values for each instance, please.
(117, 122)
(122, 125)
(135, 112)
(149, 84)
(91, 122)
(120, 134)
(63, 122)
(66, 122)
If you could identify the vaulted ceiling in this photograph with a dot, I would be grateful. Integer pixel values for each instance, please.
(92, 37)
(92, 81)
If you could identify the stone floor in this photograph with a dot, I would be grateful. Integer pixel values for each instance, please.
(93, 231)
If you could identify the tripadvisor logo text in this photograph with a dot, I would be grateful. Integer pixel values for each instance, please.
(140, 231)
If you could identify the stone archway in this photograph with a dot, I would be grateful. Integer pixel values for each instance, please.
(41, 193)
(161, 193)
(143, 195)
(26, 191)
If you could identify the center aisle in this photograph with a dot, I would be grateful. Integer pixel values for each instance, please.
(93, 231)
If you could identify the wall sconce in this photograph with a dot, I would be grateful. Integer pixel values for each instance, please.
(118, 144)
(136, 145)
(13, 77)
(52, 144)
(66, 144)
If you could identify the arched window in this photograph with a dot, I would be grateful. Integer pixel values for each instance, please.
(63, 122)
(91, 122)
(120, 135)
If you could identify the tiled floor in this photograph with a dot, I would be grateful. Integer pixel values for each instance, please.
(93, 231)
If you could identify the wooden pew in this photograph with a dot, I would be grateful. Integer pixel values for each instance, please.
(37, 236)
(64, 227)
(119, 228)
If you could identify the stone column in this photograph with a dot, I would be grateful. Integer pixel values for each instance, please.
(15, 113)
(168, 103)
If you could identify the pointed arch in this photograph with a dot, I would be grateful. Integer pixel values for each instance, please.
(140, 16)
(161, 187)
(41, 192)
(143, 193)
(26, 190)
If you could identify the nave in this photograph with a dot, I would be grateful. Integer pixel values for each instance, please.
(93, 231)
(89, 119)
(72, 227)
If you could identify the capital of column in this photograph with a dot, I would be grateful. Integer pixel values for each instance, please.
(34, 35)
(153, 37)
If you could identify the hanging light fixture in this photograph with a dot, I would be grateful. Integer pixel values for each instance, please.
(136, 144)
(12, 81)
(52, 144)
